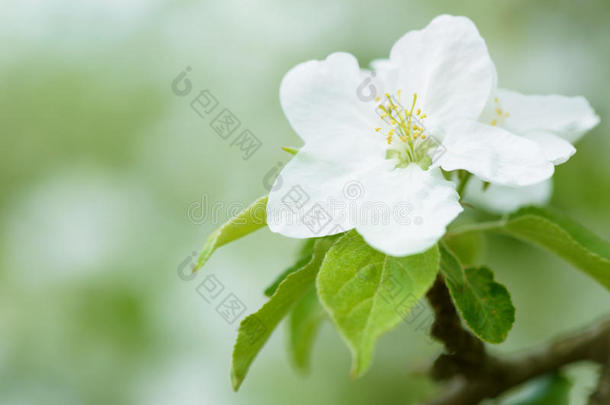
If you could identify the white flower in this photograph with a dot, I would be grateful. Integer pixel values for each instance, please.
(553, 122)
(505, 199)
(433, 89)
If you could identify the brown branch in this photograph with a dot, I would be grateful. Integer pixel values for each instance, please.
(601, 396)
(465, 352)
(474, 375)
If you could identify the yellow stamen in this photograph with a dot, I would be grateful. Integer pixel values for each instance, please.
(494, 122)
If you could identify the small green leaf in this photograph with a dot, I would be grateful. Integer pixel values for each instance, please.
(255, 329)
(564, 237)
(553, 389)
(484, 303)
(305, 319)
(304, 257)
(468, 246)
(251, 219)
(368, 293)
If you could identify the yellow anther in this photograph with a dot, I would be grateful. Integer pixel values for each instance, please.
(495, 99)
(402, 122)
(494, 122)
(499, 111)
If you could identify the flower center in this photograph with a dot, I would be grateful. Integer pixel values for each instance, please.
(407, 139)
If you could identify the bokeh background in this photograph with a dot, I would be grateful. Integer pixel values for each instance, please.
(110, 182)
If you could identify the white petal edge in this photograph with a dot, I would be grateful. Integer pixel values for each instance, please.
(321, 99)
(325, 181)
(495, 155)
(556, 149)
(448, 65)
(422, 204)
(567, 117)
(502, 199)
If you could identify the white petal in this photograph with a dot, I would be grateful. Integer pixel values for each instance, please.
(503, 199)
(421, 205)
(567, 117)
(323, 99)
(319, 190)
(387, 75)
(448, 65)
(494, 154)
(556, 149)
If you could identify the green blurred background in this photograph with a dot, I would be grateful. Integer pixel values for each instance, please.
(101, 164)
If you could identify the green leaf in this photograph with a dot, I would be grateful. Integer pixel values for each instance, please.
(468, 246)
(303, 325)
(553, 389)
(368, 293)
(484, 303)
(564, 237)
(304, 257)
(251, 219)
(255, 329)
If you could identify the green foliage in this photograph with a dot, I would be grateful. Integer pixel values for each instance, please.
(553, 389)
(484, 304)
(303, 326)
(304, 257)
(564, 237)
(251, 219)
(255, 329)
(468, 246)
(368, 293)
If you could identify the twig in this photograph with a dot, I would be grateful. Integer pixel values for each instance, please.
(465, 353)
(475, 375)
(477, 227)
(601, 396)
